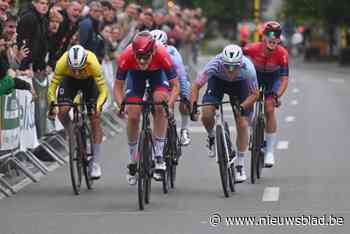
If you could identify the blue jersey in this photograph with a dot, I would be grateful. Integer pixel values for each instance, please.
(180, 69)
(215, 70)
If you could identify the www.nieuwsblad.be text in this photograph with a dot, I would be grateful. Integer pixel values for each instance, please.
(271, 220)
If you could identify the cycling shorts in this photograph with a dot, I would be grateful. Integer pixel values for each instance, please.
(136, 83)
(217, 88)
(69, 88)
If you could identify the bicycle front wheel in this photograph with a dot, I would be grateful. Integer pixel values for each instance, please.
(144, 167)
(87, 150)
(231, 170)
(222, 160)
(255, 153)
(260, 136)
(75, 162)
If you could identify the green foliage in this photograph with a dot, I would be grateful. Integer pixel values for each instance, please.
(224, 11)
(328, 12)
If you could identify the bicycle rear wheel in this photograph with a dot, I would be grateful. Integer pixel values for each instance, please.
(231, 171)
(222, 160)
(75, 161)
(86, 138)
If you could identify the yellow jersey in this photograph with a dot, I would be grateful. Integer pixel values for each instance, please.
(92, 70)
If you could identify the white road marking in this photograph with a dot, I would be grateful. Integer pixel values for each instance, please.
(282, 145)
(336, 80)
(294, 102)
(271, 194)
(289, 119)
(295, 90)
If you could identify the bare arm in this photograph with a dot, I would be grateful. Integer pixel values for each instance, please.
(118, 91)
(283, 87)
(175, 90)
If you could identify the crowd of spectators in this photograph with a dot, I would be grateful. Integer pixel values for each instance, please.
(34, 36)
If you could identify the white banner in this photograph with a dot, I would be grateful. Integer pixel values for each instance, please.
(108, 73)
(28, 137)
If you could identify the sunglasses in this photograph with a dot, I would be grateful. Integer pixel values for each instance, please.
(273, 34)
(231, 67)
(143, 56)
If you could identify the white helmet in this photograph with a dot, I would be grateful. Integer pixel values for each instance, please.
(232, 54)
(77, 57)
(160, 36)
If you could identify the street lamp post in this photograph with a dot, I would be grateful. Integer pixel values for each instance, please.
(256, 19)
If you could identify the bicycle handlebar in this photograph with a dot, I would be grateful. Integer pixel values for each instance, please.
(164, 104)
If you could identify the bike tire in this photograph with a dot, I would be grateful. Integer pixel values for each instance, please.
(141, 171)
(75, 163)
(261, 156)
(231, 171)
(87, 140)
(222, 160)
(148, 169)
(175, 154)
(254, 153)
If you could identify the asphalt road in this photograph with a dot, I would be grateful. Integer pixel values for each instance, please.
(311, 177)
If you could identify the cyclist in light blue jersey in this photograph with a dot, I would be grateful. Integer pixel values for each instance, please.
(233, 74)
(185, 86)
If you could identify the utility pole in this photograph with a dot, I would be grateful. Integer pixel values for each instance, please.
(256, 19)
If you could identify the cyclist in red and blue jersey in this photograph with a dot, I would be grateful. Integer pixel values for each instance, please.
(144, 59)
(271, 63)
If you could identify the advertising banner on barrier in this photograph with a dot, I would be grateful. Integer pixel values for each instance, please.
(9, 122)
(28, 136)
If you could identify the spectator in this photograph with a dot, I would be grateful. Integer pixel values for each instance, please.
(8, 80)
(32, 32)
(146, 21)
(109, 16)
(89, 31)
(86, 8)
(129, 25)
(4, 6)
(55, 20)
(14, 55)
(63, 4)
(61, 40)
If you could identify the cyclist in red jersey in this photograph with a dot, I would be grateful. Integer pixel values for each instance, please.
(144, 59)
(271, 63)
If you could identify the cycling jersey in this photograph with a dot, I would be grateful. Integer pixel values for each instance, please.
(219, 83)
(215, 68)
(181, 71)
(128, 69)
(270, 68)
(160, 61)
(92, 70)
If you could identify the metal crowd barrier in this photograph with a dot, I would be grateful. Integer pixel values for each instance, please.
(51, 153)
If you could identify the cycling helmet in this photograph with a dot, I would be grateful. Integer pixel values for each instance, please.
(160, 36)
(143, 43)
(232, 54)
(272, 28)
(77, 57)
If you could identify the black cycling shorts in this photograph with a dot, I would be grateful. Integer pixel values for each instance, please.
(69, 88)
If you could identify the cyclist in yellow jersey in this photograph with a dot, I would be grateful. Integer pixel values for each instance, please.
(79, 69)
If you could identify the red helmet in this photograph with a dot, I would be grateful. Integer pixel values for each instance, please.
(272, 26)
(143, 43)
